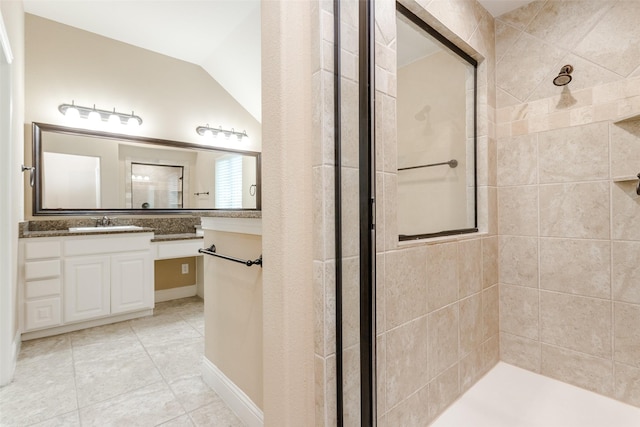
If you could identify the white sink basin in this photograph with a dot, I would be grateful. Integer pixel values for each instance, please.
(103, 229)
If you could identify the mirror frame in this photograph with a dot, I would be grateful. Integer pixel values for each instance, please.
(38, 210)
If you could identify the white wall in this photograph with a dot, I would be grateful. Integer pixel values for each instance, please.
(11, 155)
(173, 97)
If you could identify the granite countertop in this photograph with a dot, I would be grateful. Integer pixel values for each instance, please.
(176, 236)
(67, 233)
(232, 214)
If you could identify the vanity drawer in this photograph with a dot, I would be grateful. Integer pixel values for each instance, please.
(42, 313)
(180, 249)
(42, 249)
(42, 288)
(103, 245)
(41, 269)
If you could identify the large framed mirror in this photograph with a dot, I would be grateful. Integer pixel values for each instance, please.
(80, 171)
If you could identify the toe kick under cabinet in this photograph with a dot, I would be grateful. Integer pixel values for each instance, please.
(75, 282)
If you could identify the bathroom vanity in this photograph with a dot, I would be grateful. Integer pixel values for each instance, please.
(71, 280)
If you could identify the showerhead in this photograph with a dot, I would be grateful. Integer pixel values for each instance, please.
(564, 77)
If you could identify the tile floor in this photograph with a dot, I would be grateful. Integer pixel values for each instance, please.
(143, 372)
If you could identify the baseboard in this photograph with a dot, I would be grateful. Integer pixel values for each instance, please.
(176, 293)
(86, 324)
(17, 343)
(235, 398)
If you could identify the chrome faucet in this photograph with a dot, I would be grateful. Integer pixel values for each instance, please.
(103, 222)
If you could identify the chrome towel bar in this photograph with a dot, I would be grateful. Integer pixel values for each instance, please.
(211, 250)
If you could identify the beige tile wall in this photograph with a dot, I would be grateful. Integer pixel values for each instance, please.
(569, 241)
(323, 213)
(437, 303)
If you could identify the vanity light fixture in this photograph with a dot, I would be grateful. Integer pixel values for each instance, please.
(96, 115)
(210, 132)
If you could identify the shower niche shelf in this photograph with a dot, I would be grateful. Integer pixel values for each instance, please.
(625, 178)
(629, 118)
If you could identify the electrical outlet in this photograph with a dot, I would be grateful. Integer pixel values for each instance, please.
(185, 268)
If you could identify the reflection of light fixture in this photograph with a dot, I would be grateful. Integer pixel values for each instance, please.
(213, 132)
(70, 112)
(94, 114)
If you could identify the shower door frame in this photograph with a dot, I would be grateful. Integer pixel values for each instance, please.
(367, 213)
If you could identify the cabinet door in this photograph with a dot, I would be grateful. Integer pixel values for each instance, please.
(86, 288)
(131, 282)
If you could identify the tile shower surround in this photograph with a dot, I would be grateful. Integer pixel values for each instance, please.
(533, 266)
(569, 243)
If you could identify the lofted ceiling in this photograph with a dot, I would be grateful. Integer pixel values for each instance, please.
(222, 36)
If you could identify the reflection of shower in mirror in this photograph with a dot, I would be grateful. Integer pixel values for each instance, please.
(423, 114)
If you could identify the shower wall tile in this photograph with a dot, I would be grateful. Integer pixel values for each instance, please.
(517, 160)
(577, 323)
(407, 367)
(626, 271)
(381, 379)
(489, 261)
(564, 25)
(350, 298)
(625, 210)
(580, 267)
(443, 390)
(574, 154)
(518, 258)
(583, 370)
(606, 47)
(520, 351)
(575, 210)
(412, 412)
(625, 148)
(518, 210)
(519, 311)
(521, 17)
(471, 369)
(422, 352)
(442, 275)
(540, 60)
(469, 267)
(471, 324)
(442, 338)
(627, 333)
(588, 243)
(506, 36)
(406, 285)
(627, 384)
(381, 320)
(491, 352)
(490, 312)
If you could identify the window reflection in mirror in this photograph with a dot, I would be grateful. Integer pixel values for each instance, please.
(436, 133)
(83, 170)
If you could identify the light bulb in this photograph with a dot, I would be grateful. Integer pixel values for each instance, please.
(132, 121)
(208, 133)
(94, 116)
(72, 113)
(114, 119)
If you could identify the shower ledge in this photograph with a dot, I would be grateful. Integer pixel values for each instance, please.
(625, 178)
(630, 118)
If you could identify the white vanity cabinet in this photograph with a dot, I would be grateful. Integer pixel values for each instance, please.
(82, 281)
(42, 283)
(86, 288)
